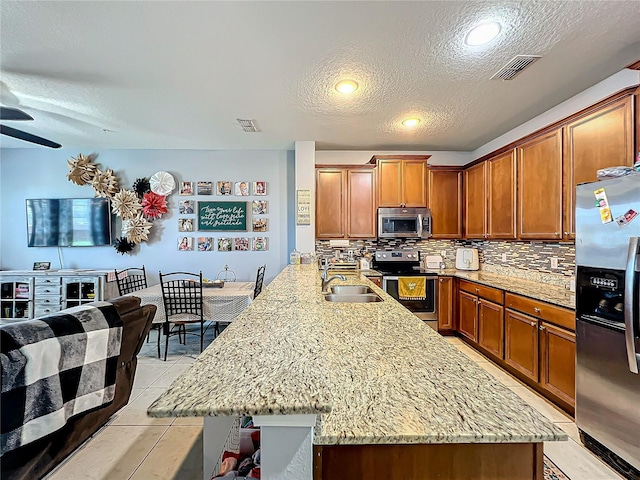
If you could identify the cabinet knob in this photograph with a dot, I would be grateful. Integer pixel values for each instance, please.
(566, 234)
(541, 328)
(476, 290)
(441, 280)
(557, 234)
(533, 324)
(536, 309)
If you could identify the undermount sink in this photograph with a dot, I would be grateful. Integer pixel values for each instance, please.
(353, 297)
(350, 289)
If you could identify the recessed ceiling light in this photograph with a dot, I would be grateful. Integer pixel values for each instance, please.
(411, 122)
(347, 86)
(482, 33)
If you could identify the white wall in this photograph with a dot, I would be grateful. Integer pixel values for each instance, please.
(41, 173)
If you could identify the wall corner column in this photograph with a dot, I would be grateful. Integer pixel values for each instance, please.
(305, 164)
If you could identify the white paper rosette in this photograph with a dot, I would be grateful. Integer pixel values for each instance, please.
(162, 183)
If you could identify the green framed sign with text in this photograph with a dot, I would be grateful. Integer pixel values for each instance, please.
(222, 216)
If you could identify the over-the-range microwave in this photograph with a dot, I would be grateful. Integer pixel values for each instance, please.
(404, 222)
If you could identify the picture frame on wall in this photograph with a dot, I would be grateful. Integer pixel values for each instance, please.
(185, 224)
(242, 244)
(185, 244)
(242, 189)
(259, 224)
(186, 188)
(41, 265)
(224, 188)
(185, 207)
(225, 244)
(205, 244)
(205, 188)
(260, 187)
(259, 244)
(259, 207)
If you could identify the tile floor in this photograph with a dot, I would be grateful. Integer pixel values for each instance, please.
(134, 446)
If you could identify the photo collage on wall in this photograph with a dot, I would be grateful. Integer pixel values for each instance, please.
(257, 223)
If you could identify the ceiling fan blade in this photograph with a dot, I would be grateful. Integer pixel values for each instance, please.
(27, 137)
(7, 113)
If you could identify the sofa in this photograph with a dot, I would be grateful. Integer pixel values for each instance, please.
(34, 460)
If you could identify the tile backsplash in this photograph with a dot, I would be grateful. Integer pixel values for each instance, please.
(523, 258)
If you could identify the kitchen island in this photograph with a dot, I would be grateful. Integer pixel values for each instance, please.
(378, 393)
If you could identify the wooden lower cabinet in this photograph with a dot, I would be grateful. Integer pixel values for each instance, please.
(521, 343)
(557, 361)
(452, 461)
(491, 327)
(468, 311)
(445, 303)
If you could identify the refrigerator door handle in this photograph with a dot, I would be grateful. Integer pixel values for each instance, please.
(629, 307)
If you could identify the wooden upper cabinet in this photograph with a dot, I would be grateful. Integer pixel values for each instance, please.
(330, 203)
(540, 187)
(475, 201)
(402, 181)
(345, 203)
(501, 198)
(601, 139)
(361, 203)
(445, 202)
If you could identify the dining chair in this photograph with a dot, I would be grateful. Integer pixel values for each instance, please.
(183, 304)
(259, 280)
(131, 279)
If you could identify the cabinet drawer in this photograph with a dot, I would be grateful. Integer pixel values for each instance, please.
(48, 289)
(47, 280)
(558, 315)
(40, 311)
(490, 293)
(45, 300)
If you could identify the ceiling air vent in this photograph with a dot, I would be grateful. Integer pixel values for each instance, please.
(247, 125)
(515, 66)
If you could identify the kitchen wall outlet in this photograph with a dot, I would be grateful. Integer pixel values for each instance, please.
(443, 253)
(504, 258)
(554, 262)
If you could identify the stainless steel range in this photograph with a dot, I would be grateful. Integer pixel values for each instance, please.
(403, 279)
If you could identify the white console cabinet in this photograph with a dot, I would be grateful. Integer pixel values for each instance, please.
(34, 294)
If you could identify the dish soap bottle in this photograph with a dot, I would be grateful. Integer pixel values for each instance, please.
(294, 257)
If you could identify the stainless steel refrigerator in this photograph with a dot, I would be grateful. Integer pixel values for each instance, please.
(607, 326)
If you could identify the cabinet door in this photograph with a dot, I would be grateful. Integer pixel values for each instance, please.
(501, 199)
(602, 139)
(475, 201)
(558, 361)
(16, 298)
(414, 179)
(78, 291)
(491, 327)
(330, 203)
(540, 187)
(389, 183)
(445, 303)
(445, 202)
(521, 343)
(468, 320)
(361, 204)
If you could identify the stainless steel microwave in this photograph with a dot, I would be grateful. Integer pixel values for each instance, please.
(404, 222)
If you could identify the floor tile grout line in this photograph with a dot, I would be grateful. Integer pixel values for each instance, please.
(149, 452)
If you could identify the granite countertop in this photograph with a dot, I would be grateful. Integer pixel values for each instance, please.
(373, 371)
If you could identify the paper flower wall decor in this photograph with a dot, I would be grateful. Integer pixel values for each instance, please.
(125, 204)
(153, 205)
(82, 169)
(146, 201)
(105, 183)
(136, 229)
(141, 186)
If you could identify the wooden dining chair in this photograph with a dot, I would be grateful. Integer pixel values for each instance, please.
(183, 304)
(259, 280)
(131, 279)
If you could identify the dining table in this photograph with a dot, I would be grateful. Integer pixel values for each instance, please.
(220, 304)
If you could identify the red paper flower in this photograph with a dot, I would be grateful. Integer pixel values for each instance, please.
(154, 205)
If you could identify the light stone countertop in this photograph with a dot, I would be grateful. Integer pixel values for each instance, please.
(374, 371)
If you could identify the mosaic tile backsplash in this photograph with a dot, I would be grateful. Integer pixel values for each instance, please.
(522, 258)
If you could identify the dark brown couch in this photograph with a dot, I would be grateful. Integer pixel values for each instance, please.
(36, 459)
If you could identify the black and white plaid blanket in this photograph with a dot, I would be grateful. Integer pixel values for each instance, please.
(56, 367)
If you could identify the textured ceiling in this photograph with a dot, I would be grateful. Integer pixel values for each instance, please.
(178, 74)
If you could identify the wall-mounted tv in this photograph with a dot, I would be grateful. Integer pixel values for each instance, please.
(68, 222)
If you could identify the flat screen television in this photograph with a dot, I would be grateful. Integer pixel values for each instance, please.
(68, 222)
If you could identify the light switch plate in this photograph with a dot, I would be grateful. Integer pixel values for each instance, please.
(554, 262)
(504, 258)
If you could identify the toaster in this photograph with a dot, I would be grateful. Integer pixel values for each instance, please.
(467, 259)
